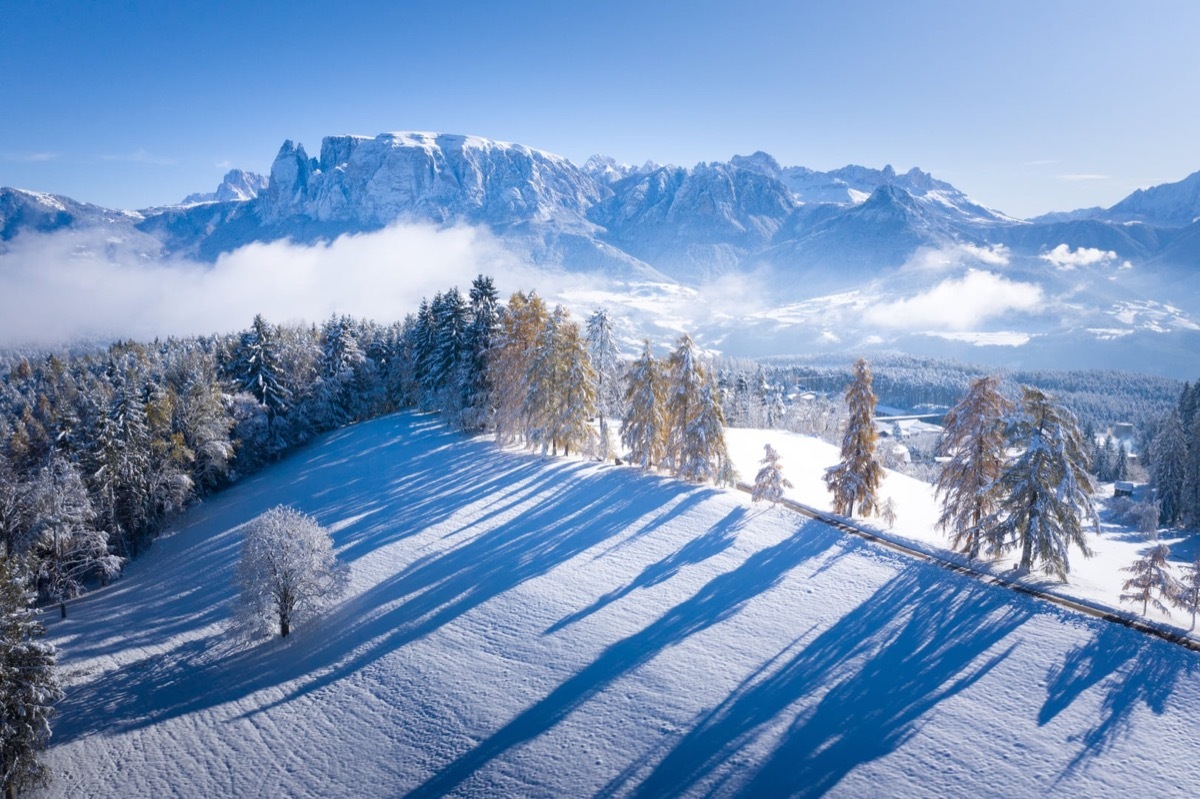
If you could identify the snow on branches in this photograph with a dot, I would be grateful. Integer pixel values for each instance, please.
(287, 571)
(770, 482)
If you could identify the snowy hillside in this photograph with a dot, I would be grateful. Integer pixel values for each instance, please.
(522, 626)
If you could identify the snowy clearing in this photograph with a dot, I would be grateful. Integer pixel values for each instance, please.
(523, 626)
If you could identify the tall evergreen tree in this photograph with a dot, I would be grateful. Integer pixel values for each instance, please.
(476, 383)
(643, 429)
(29, 686)
(1170, 467)
(1046, 490)
(258, 368)
(854, 480)
(1189, 501)
(606, 361)
(973, 438)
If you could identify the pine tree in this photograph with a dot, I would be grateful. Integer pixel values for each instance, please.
(1170, 467)
(973, 438)
(287, 571)
(855, 479)
(643, 429)
(1046, 492)
(1187, 597)
(606, 361)
(29, 686)
(1151, 582)
(769, 482)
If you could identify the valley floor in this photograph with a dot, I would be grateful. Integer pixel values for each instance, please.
(522, 626)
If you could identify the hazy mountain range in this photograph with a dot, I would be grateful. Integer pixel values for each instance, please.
(852, 258)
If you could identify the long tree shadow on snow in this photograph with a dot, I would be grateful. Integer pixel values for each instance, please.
(376, 483)
(719, 599)
(567, 518)
(1130, 668)
(918, 640)
(712, 543)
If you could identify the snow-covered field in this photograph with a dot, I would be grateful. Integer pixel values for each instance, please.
(523, 626)
(1096, 580)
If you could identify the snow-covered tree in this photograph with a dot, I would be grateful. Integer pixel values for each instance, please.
(608, 366)
(643, 428)
(695, 448)
(888, 512)
(1170, 467)
(481, 333)
(973, 438)
(1189, 502)
(29, 686)
(1152, 582)
(520, 324)
(67, 546)
(14, 511)
(287, 572)
(258, 368)
(769, 482)
(1187, 596)
(560, 394)
(1046, 493)
(855, 479)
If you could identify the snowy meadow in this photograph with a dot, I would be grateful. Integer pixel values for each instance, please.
(521, 625)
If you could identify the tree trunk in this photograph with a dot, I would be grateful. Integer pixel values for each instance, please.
(62, 606)
(285, 627)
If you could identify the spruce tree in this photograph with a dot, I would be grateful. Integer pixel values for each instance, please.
(1046, 492)
(29, 686)
(855, 479)
(1170, 468)
(643, 428)
(1151, 583)
(476, 385)
(973, 437)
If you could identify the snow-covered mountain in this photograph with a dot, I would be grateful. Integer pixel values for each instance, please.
(805, 234)
(238, 185)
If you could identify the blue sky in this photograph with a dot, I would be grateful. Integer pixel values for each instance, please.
(1026, 106)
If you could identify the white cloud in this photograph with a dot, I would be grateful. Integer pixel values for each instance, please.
(31, 158)
(141, 156)
(957, 255)
(1076, 177)
(1064, 257)
(67, 285)
(957, 303)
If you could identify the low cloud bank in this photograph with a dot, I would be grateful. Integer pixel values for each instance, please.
(64, 286)
(957, 304)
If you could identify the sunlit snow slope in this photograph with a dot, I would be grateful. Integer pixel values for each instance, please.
(520, 626)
